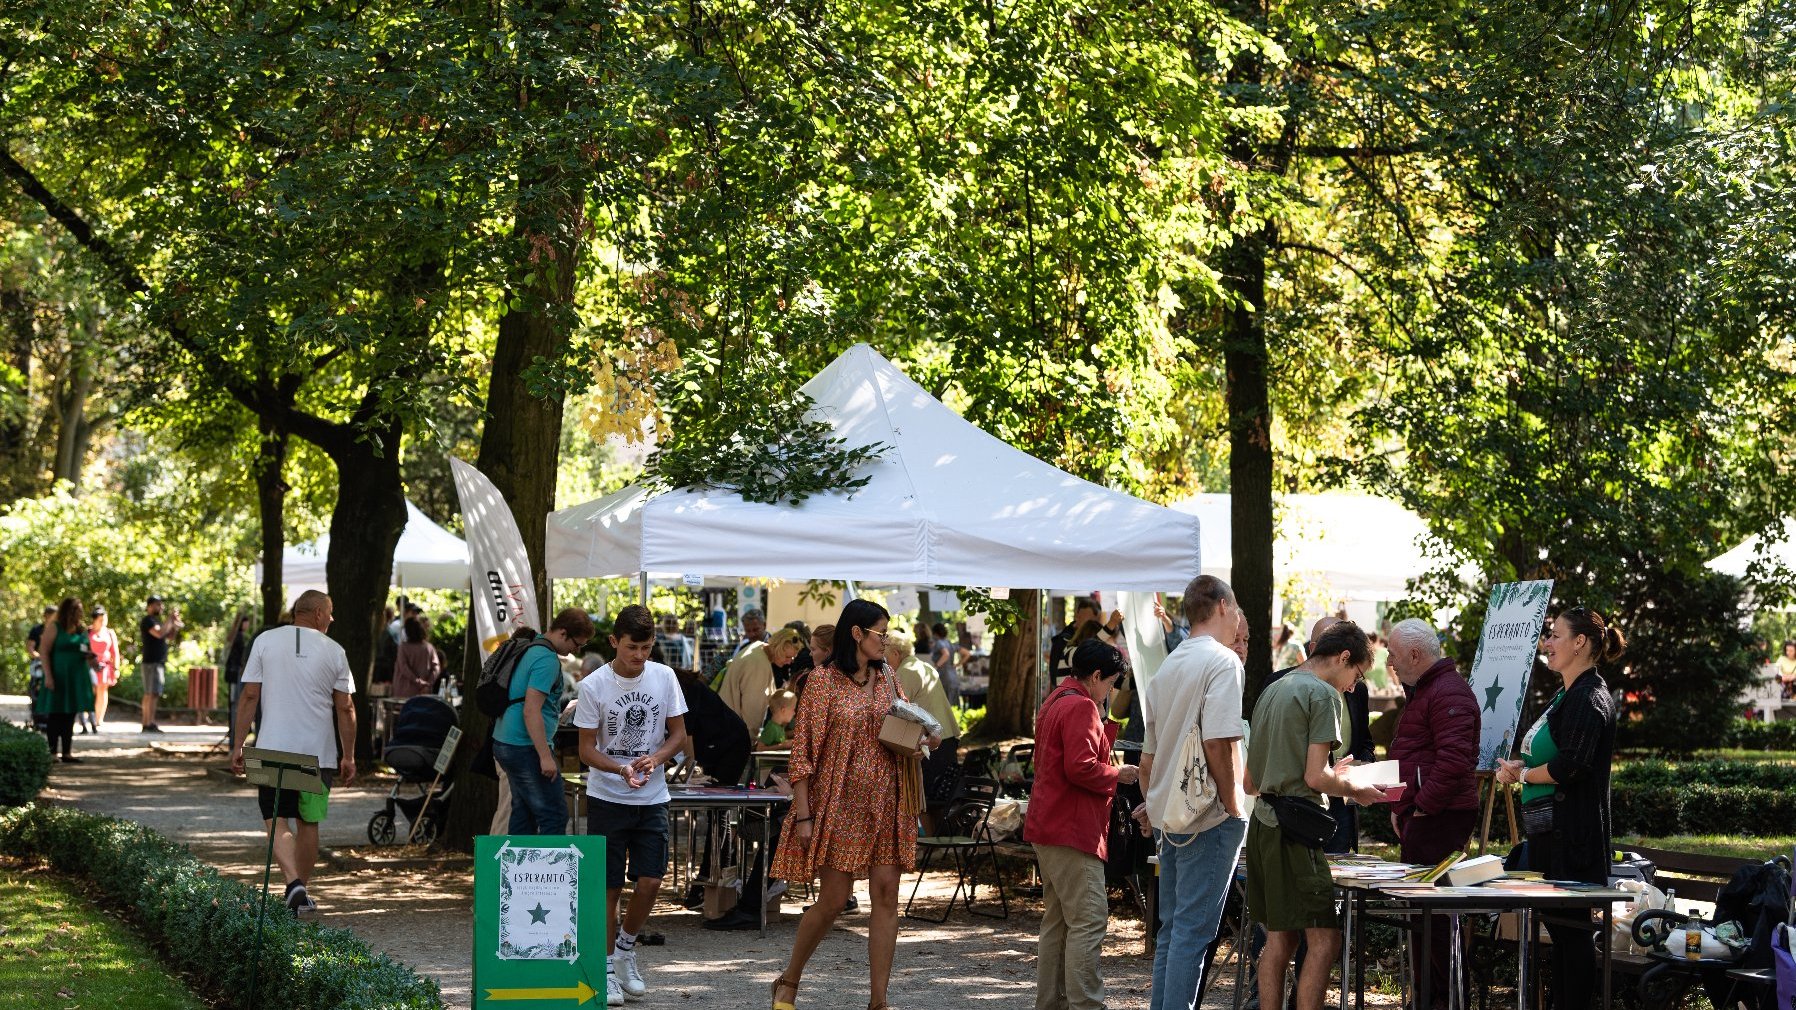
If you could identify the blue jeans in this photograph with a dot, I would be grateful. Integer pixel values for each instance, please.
(1194, 883)
(538, 805)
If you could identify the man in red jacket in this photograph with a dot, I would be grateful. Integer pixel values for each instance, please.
(1436, 750)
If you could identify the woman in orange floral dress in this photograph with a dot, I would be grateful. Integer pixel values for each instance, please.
(845, 820)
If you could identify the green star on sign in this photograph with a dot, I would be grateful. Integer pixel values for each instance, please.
(539, 914)
(1490, 696)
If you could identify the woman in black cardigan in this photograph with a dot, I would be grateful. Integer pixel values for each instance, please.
(1565, 765)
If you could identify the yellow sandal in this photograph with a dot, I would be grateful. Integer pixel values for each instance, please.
(779, 1004)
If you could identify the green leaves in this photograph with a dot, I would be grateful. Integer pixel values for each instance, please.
(760, 440)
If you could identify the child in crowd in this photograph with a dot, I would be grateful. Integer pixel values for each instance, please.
(782, 709)
(631, 716)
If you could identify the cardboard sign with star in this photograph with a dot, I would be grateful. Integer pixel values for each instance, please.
(1507, 648)
(530, 940)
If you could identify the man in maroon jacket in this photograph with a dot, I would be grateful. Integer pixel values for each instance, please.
(1436, 750)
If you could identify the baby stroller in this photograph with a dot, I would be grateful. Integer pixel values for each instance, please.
(419, 731)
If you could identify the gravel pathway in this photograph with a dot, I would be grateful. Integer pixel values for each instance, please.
(424, 917)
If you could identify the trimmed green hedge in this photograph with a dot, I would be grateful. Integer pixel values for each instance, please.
(205, 925)
(1752, 734)
(24, 764)
(1703, 797)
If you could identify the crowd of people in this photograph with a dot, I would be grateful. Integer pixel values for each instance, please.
(1217, 785)
(1272, 787)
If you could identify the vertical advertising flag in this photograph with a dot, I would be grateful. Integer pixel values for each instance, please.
(504, 593)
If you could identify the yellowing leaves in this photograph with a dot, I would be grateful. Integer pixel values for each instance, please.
(623, 396)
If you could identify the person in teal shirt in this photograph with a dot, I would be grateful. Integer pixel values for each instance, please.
(523, 740)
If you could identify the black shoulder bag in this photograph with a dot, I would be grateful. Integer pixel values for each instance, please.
(1302, 821)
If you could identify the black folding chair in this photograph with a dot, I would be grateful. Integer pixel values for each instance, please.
(1022, 757)
(964, 834)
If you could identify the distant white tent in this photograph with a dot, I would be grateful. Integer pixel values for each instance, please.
(1736, 561)
(1359, 546)
(947, 504)
(427, 557)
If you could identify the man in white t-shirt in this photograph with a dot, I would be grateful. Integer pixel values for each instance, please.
(631, 716)
(1198, 687)
(300, 679)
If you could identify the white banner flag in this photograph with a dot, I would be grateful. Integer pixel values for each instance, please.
(504, 593)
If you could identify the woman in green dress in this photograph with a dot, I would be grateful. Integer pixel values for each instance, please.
(68, 683)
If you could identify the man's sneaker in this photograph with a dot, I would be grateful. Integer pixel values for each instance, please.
(152, 728)
(776, 889)
(629, 974)
(614, 993)
(300, 903)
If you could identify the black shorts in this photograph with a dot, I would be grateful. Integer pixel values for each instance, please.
(638, 832)
(290, 799)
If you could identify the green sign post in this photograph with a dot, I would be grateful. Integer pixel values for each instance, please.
(539, 921)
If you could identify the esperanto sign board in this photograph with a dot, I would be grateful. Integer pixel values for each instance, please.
(539, 921)
(1507, 648)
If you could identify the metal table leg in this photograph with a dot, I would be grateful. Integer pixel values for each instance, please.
(1348, 937)
(1524, 938)
(1608, 940)
(1359, 956)
(766, 865)
(1421, 978)
(1456, 963)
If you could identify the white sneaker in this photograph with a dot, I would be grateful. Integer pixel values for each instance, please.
(629, 974)
(614, 993)
(776, 889)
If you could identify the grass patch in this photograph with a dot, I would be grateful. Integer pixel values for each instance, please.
(1749, 847)
(58, 950)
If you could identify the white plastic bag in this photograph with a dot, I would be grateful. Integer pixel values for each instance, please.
(1006, 819)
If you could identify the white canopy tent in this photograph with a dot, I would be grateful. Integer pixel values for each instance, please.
(947, 504)
(1736, 561)
(1360, 546)
(427, 557)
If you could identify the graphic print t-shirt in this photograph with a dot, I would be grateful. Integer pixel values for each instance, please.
(631, 716)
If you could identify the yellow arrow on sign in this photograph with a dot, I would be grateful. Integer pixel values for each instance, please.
(579, 993)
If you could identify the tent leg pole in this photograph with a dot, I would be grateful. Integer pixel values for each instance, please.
(642, 586)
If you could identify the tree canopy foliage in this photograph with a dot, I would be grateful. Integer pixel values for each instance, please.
(1523, 268)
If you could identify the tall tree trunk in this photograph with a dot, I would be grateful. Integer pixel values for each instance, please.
(1250, 455)
(18, 477)
(271, 503)
(1011, 700)
(520, 445)
(365, 529)
(1245, 360)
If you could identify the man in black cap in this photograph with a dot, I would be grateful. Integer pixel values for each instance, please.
(153, 659)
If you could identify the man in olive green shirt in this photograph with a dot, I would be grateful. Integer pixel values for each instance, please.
(1292, 735)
